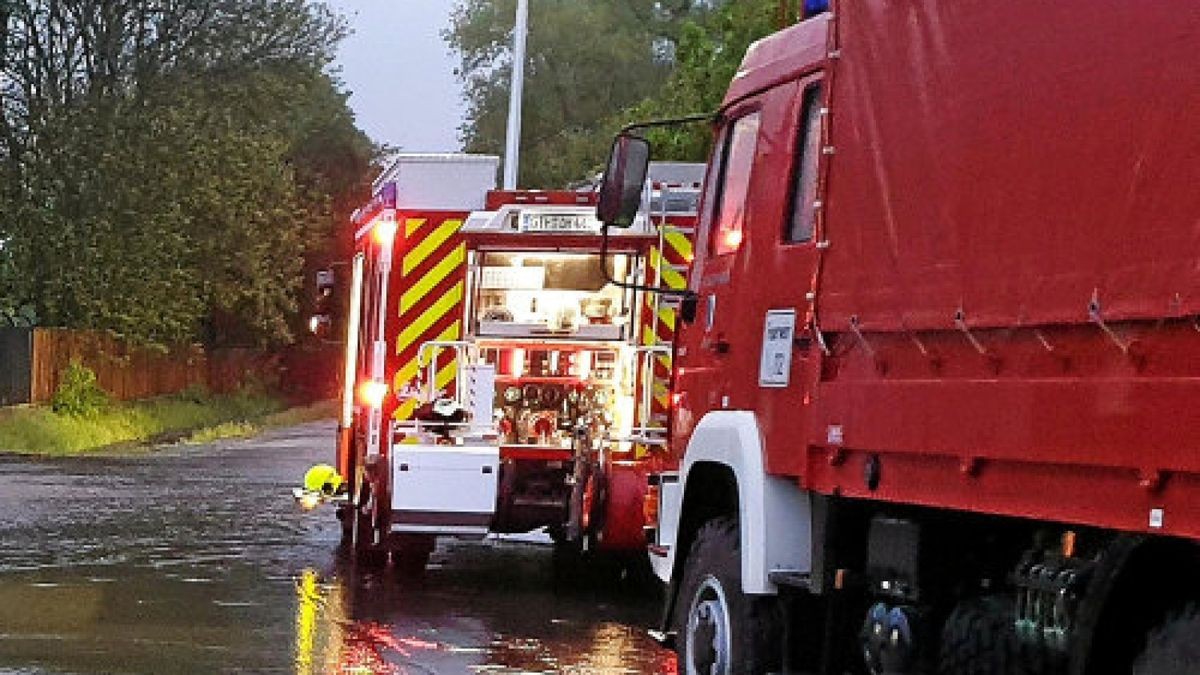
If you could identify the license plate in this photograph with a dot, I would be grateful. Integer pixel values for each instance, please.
(560, 222)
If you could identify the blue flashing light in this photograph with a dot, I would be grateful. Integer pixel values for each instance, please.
(814, 7)
(387, 195)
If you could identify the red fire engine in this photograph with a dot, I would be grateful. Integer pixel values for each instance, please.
(498, 377)
(936, 391)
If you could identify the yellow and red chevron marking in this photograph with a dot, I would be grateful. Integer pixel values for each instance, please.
(671, 266)
(429, 279)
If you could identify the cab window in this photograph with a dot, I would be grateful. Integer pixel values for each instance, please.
(802, 218)
(735, 184)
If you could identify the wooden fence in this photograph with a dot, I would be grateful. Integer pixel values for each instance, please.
(127, 371)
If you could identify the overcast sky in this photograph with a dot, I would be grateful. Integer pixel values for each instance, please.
(401, 73)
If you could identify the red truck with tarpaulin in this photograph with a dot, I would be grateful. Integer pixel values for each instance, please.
(935, 397)
(498, 378)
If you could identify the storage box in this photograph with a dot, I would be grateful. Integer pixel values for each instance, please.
(440, 182)
(444, 489)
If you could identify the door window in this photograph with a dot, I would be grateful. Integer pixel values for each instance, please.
(804, 183)
(735, 184)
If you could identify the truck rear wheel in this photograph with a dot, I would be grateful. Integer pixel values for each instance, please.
(1173, 648)
(359, 539)
(411, 555)
(978, 639)
(720, 630)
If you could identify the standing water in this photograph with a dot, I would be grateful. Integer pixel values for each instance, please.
(193, 559)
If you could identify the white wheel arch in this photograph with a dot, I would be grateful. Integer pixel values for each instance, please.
(774, 514)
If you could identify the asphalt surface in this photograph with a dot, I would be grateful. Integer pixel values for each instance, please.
(194, 559)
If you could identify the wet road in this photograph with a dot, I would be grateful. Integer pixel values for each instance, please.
(194, 560)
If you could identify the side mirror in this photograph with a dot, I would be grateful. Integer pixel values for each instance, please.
(624, 180)
(688, 307)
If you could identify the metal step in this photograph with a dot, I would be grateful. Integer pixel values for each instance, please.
(791, 579)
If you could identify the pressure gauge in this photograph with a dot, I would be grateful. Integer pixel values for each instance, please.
(512, 394)
(551, 396)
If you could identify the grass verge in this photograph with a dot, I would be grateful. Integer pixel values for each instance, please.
(282, 418)
(197, 418)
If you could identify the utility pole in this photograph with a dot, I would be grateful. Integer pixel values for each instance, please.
(512, 145)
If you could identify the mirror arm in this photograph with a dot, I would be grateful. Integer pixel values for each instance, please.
(668, 122)
(628, 128)
(682, 293)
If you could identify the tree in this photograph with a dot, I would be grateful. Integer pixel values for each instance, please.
(168, 166)
(596, 65)
(586, 60)
(709, 53)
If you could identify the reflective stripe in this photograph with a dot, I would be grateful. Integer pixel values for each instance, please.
(432, 283)
(680, 243)
(430, 244)
(433, 277)
(671, 278)
(442, 380)
(659, 320)
(409, 370)
(666, 315)
(413, 331)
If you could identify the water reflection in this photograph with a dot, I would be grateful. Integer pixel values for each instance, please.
(194, 560)
(484, 609)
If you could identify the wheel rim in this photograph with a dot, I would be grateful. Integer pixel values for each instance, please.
(708, 637)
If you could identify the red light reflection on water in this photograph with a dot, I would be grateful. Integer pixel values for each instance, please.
(365, 647)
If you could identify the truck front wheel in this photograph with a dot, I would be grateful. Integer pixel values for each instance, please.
(720, 630)
(1174, 648)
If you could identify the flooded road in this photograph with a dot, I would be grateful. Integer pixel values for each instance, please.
(194, 560)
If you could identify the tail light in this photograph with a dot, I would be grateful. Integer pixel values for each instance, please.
(384, 232)
(372, 393)
(650, 506)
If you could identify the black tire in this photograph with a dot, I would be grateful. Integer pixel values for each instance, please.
(978, 639)
(1173, 648)
(711, 588)
(411, 555)
(567, 561)
(360, 542)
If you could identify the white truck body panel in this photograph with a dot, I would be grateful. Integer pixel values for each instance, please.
(775, 514)
(444, 489)
(440, 181)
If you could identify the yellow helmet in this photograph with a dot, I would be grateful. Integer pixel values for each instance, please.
(324, 479)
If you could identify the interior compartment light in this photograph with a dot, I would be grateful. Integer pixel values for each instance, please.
(583, 364)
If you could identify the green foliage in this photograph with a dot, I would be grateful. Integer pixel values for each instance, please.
(595, 66)
(708, 56)
(24, 316)
(174, 191)
(78, 394)
(235, 429)
(585, 60)
(42, 431)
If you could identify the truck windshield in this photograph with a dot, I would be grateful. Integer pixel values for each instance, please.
(551, 295)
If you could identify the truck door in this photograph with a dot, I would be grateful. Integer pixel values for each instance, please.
(750, 347)
(783, 249)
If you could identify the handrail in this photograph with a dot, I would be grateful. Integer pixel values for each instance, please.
(643, 359)
(464, 352)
